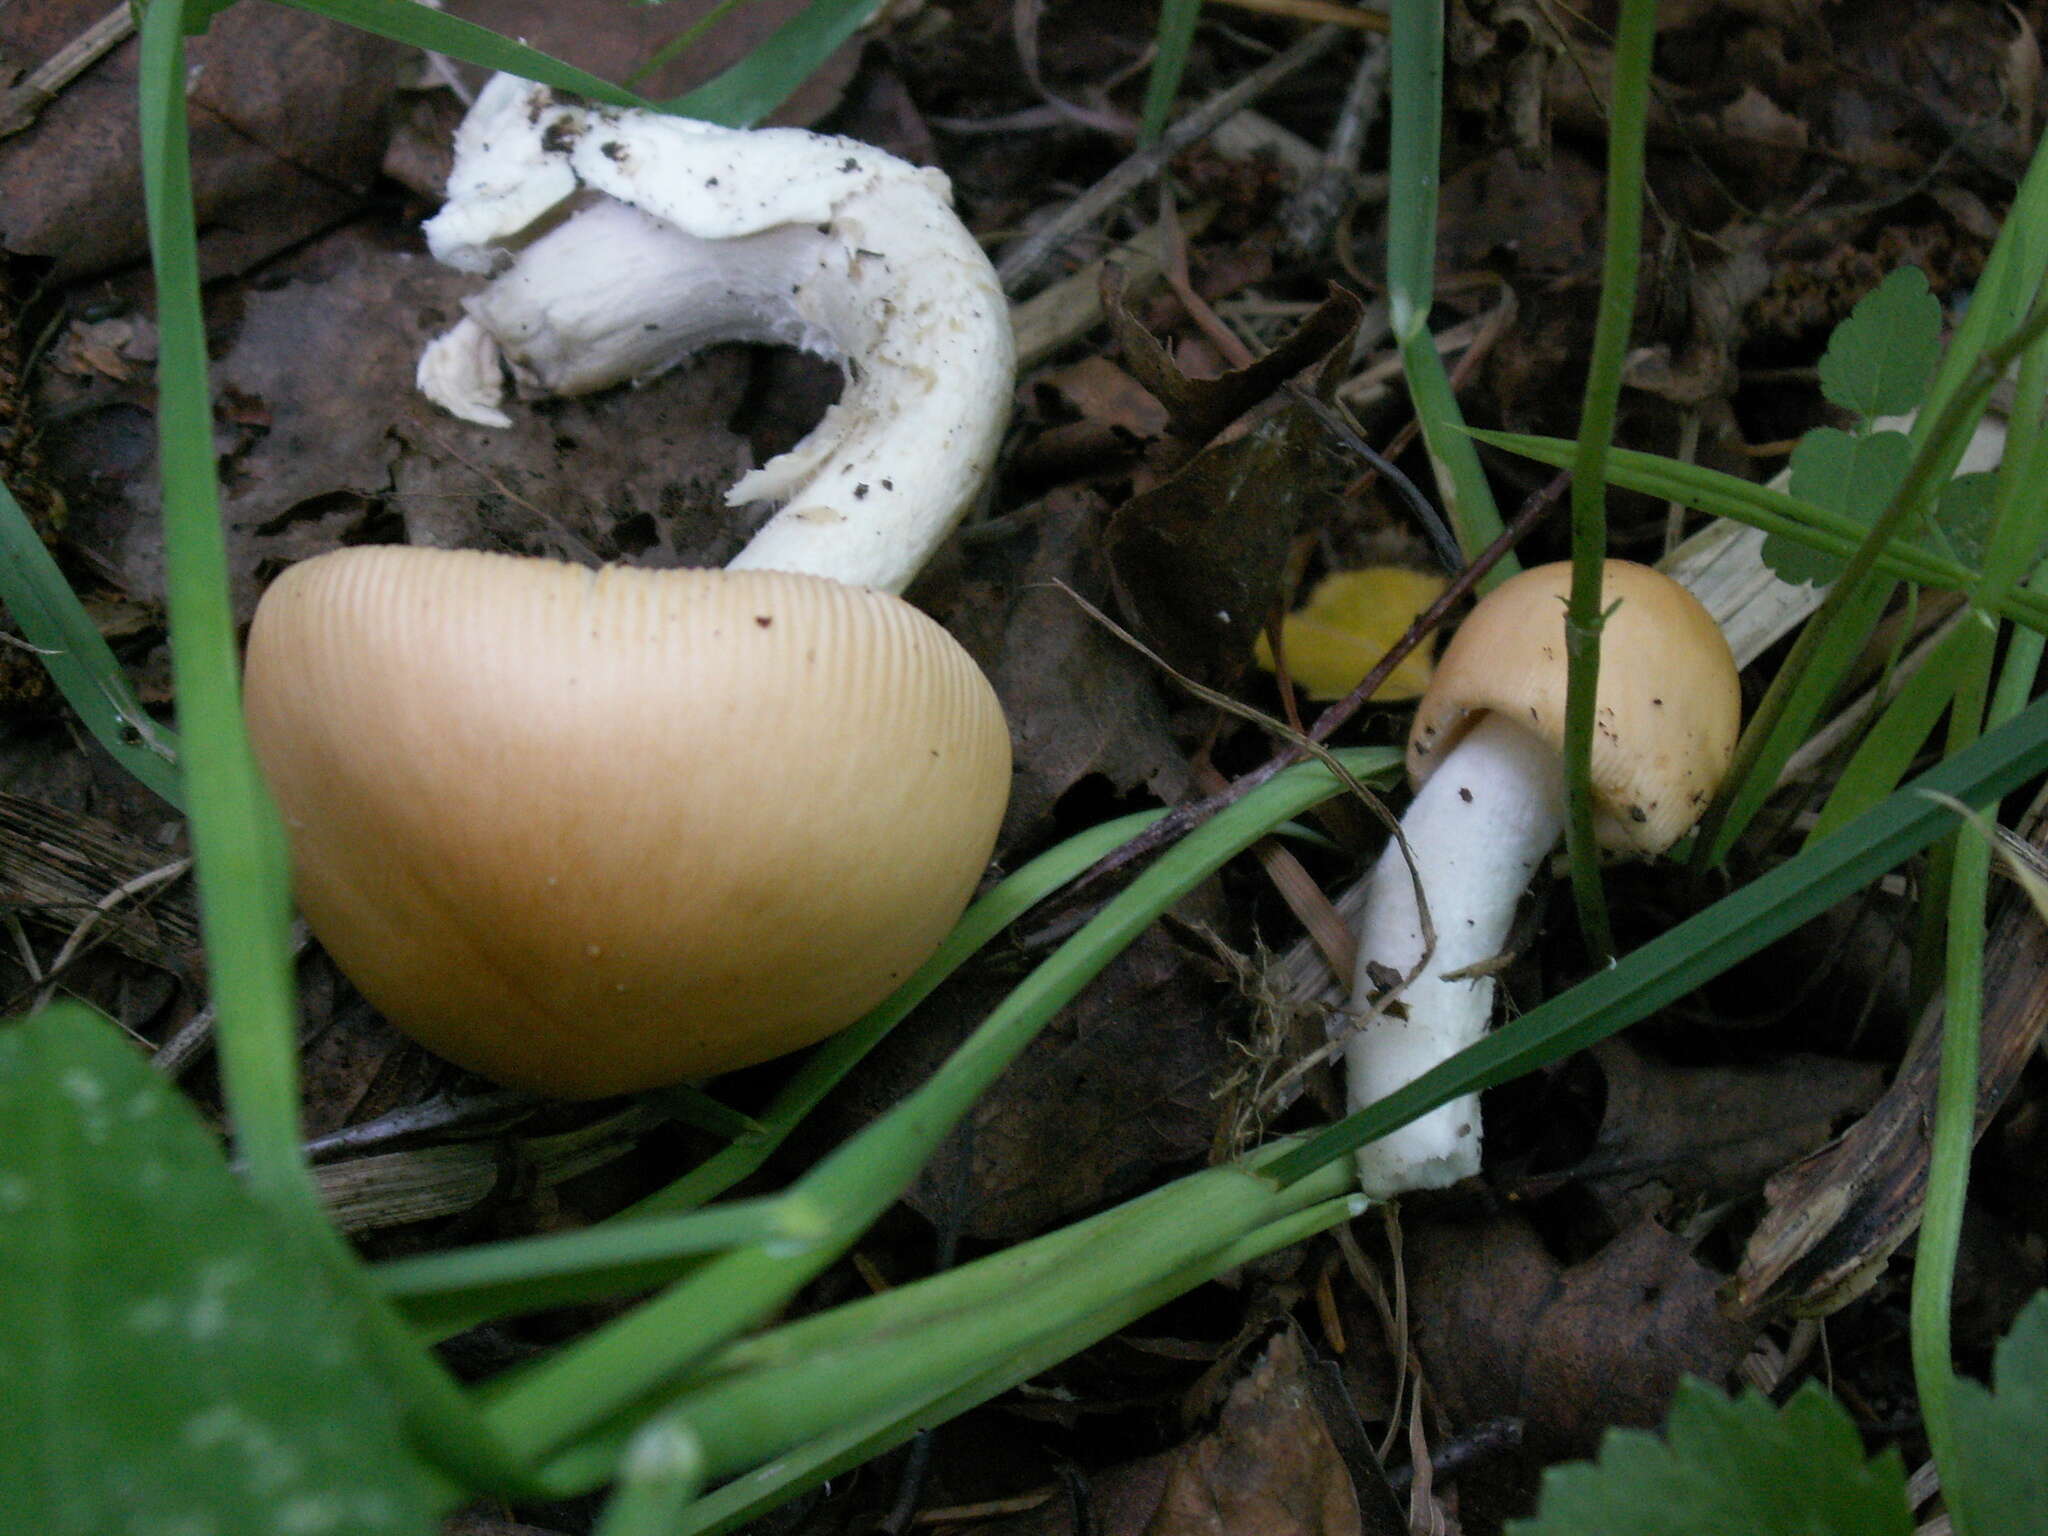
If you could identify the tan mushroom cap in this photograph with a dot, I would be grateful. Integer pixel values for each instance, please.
(1670, 702)
(594, 831)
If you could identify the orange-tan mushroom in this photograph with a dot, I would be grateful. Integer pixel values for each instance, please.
(1484, 755)
(594, 831)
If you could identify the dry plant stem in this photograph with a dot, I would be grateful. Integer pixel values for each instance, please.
(75, 941)
(1823, 743)
(1309, 217)
(1304, 898)
(1024, 260)
(1836, 1217)
(20, 106)
(445, 1113)
(1178, 822)
(1063, 312)
(194, 1037)
(1024, 19)
(1315, 10)
(1174, 267)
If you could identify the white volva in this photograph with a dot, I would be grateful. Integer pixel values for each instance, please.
(679, 234)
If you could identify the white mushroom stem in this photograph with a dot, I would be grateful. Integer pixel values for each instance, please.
(1478, 828)
(675, 234)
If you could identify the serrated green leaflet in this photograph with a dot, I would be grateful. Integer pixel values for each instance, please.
(1849, 475)
(168, 1362)
(1963, 515)
(1998, 1483)
(1879, 360)
(1728, 1466)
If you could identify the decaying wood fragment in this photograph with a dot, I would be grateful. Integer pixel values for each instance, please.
(1836, 1217)
(57, 867)
(389, 1189)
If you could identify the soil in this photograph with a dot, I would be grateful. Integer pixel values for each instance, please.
(1427, 1364)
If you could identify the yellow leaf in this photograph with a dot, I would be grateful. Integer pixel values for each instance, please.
(1347, 625)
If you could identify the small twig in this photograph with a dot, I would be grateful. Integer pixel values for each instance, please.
(24, 951)
(20, 106)
(1023, 261)
(1486, 1440)
(1331, 934)
(987, 1509)
(177, 1054)
(74, 943)
(1309, 217)
(1024, 19)
(1181, 820)
(1338, 422)
(1174, 267)
(496, 1110)
(1313, 747)
(1307, 746)
(1316, 10)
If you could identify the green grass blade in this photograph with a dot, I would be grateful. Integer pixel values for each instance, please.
(456, 1308)
(528, 1274)
(1704, 946)
(831, 1061)
(1888, 750)
(767, 77)
(78, 659)
(237, 841)
(1016, 1341)
(757, 1415)
(748, 1497)
(407, 21)
(2020, 514)
(1171, 40)
(2004, 292)
(659, 1479)
(1627, 125)
(586, 1383)
(1758, 506)
(1415, 127)
(738, 97)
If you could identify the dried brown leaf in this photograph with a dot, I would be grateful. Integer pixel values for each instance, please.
(288, 127)
(1712, 1132)
(1506, 1330)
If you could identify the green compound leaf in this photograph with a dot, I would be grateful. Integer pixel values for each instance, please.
(169, 1362)
(1962, 517)
(1999, 1483)
(1879, 360)
(1726, 1466)
(1853, 476)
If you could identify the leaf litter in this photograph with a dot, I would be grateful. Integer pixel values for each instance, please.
(1571, 1292)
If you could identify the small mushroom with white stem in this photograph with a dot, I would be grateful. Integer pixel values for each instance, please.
(595, 831)
(1484, 754)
